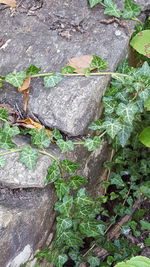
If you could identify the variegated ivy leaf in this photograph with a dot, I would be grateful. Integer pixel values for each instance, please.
(29, 156)
(111, 9)
(52, 80)
(93, 261)
(53, 173)
(109, 105)
(3, 114)
(76, 181)
(92, 3)
(63, 223)
(82, 198)
(65, 146)
(92, 144)
(62, 258)
(11, 131)
(98, 63)
(40, 138)
(72, 239)
(145, 69)
(61, 188)
(131, 9)
(69, 166)
(2, 161)
(6, 141)
(112, 127)
(143, 95)
(67, 69)
(96, 125)
(92, 228)
(118, 77)
(32, 69)
(16, 79)
(56, 134)
(127, 112)
(64, 206)
(124, 134)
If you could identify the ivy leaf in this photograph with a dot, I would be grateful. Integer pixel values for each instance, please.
(11, 131)
(2, 161)
(70, 166)
(62, 258)
(96, 125)
(53, 173)
(124, 134)
(82, 198)
(40, 138)
(3, 114)
(76, 181)
(32, 69)
(92, 3)
(127, 112)
(147, 104)
(52, 80)
(67, 69)
(112, 127)
(16, 79)
(29, 156)
(131, 9)
(98, 63)
(93, 261)
(65, 146)
(56, 134)
(145, 189)
(5, 141)
(92, 144)
(71, 239)
(117, 180)
(145, 225)
(64, 206)
(63, 223)
(143, 95)
(61, 188)
(91, 228)
(145, 69)
(111, 9)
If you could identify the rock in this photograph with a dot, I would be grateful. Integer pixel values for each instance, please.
(46, 37)
(26, 217)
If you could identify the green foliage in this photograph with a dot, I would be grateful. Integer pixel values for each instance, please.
(52, 80)
(32, 69)
(16, 79)
(135, 262)
(3, 114)
(65, 146)
(40, 138)
(111, 9)
(92, 144)
(141, 43)
(67, 69)
(145, 136)
(98, 63)
(29, 156)
(92, 3)
(131, 9)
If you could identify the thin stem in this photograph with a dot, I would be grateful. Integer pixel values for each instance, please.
(78, 143)
(79, 74)
(138, 20)
(11, 151)
(49, 155)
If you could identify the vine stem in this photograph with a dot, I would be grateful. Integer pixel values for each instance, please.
(48, 154)
(11, 151)
(80, 74)
(138, 20)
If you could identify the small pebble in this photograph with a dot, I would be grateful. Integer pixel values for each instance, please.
(117, 33)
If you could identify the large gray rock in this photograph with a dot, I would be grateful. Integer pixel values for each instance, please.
(46, 37)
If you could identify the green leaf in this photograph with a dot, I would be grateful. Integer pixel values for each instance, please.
(63, 223)
(32, 69)
(3, 114)
(147, 241)
(145, 189)
(147, 104)
(138, 261)
(92, 144)
(53, 173)
(65, 146)
(96, 125)
(131, 9)
(2, 161)
(70, 166)
(98, 63)
(145, 69)
(111, 9)
(124, 134)
(140, 43)
(29, 156)
(82, 198)
(64, 206)
(56, 134)
(70, 238)
(117, 180)
(93, 261)
(127, 112)
(11, 131)
(92, 228)
(16, 79)
(40, 138)
(61, 188)
(62, 258)
(112, 127)
(144, 225)
(145, 137)
(5, 141)
(92, 3)
(67, 69)
(76, 181)
(52, 80)
(113, 196)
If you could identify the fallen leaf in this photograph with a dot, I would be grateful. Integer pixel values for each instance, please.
(11, 3)
(25, 85)
(80, 63)
(25, 99)
(29, 123)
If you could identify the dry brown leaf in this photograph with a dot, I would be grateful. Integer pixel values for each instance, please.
(25, 99)
(25, 85)
(29, 123)
(80, 63)
(11, 3)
